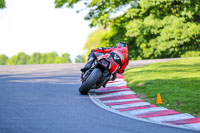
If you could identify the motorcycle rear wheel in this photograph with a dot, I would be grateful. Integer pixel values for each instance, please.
(90, 81)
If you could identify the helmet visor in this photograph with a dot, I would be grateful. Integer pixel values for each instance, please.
(121, 44)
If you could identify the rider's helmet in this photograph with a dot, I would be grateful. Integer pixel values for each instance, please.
(121, 45)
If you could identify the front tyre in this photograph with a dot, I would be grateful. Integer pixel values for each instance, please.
(90, 81)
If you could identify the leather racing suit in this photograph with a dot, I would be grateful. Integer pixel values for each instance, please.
(119, 55)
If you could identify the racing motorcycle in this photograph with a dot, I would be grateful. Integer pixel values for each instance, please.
(99, 74)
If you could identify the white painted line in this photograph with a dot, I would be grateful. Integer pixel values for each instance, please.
(99, 90)
(121, 100)
(148, 110)
(130, 105)
(195, 126)
(131, 113)
(101, 104)
(171, 117)
(116, 94)
(119, 79)
(118, 84)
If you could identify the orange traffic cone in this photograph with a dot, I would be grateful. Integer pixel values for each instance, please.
(159, 100)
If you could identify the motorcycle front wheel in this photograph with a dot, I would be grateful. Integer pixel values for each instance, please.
(90, 81)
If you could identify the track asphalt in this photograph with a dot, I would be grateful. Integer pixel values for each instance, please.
(45, 99)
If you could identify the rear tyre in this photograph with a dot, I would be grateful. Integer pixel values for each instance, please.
(90, 81)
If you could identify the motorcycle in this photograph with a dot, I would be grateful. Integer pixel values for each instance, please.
(99, 74)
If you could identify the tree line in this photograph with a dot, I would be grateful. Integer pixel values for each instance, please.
(151, 28)
(39, 58)
(2, 4)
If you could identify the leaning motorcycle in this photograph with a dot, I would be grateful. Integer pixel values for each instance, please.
(99, 73)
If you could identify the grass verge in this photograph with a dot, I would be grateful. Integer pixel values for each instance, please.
(178, 82)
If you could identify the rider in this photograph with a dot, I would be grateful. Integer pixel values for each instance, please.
(119, 54)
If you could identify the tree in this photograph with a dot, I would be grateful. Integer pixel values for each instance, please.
(2, 4)
(3, 59)
(66, 58)
(35, 58)
(152, 28)
(94, 39)
(99, 10)
(19, 59)
(43, 59)
(163, 28)
(51, 57)
(80, 59)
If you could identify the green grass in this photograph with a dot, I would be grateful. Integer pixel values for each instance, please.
(178, 82)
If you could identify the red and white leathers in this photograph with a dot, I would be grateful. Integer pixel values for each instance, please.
(119, 58)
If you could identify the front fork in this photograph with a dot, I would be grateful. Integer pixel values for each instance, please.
(84, 75)
(104, 79)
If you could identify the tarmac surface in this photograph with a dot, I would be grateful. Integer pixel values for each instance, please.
(45, 99)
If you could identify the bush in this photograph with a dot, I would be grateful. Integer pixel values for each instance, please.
(191, 54)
